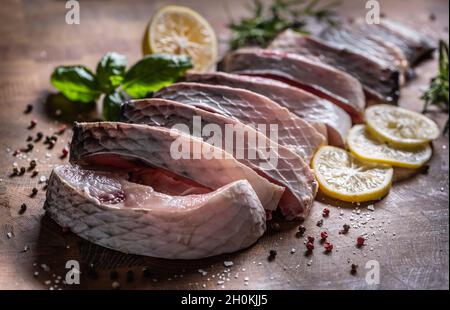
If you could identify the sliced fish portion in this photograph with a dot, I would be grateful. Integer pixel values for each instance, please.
(371, 47)
(311, 75)
(315, 110)
(381, 80)
(102, 143)
(414, 45)
(255, 150)
(251, 109)
(110, 211)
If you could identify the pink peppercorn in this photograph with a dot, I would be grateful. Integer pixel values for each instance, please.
(326, 212)
(328, 246)
(324, 235)
(310, 246)
(311, 239)
(360, 240)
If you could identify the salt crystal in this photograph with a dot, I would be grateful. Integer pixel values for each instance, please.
(292, 251)
(228, 263)
(371, 207)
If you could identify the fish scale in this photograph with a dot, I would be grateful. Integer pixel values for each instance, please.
(315, 110)
(249, 108)
(289, 169)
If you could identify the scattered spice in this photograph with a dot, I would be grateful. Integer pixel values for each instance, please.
(360, 241)
(23, 208)
(28, 109)
(64, 152)
(354, 269)
(33, 124)
(345, 229)
(39, 136)
(324, 235)
(319, 223)
(301, 230)
(34, 192)
(272, 255)
(326, 212)
(328, 246)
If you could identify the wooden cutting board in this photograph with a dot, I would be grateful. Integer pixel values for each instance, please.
(408, 229)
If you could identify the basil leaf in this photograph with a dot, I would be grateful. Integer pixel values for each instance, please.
(112, 104)
(154, 72)
(76, 83)
(110, 71)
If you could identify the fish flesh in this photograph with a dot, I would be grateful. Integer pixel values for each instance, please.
(311, 75)
(251, 109)
(121, 145)
(281, 166)
(108, 210)
(381, 80)
(371, 47)
(414, 45)
(315, 110)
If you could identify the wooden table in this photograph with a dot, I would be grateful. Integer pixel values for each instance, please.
(410, 225)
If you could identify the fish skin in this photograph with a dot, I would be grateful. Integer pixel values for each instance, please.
(289, 171)
(372, 47)
(317, 111)
(152, 145)
(226, 220)
(251, 109)
(381, 80)
(415, 45)
(313, 76)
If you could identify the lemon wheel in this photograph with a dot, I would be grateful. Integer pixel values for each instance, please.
(400, 127)
(180, 30)
(344, 177)
(366, 147)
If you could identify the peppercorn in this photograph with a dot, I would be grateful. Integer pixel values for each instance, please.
(328, 246)
(360, 241)
(326, 212)
(310, 246)
(28, 148)
(28, 109)
(34, 173)
(15, 171)
(23, 208)
(301, 230)
(130, 276)
(16, 152)
(319, 223)
(311, 239)
(34, 192)
(22, 171)
(33, 124)
(50, 145)
(354, 269)
(39, 136)
(61, 129)
(345, 228)
(29, 138)
(113, 275)
(324, 235)
(272, 255)
(65, 152)
(32, 164)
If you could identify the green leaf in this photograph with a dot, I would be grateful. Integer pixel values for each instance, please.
(76, 83)
(112, 104)
(110, 71)
(154, 72)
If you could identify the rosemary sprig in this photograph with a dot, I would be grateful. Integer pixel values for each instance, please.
(269, 20)
(438, 92)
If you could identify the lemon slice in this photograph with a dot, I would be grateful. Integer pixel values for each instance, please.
(399, 126)
(180, 30)
(344, 177)
(364, 146)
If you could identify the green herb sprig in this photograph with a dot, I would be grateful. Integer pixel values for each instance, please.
(79, 84)
(267, 21)
(437, 93)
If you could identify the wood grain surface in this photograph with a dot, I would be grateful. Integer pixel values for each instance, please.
(408, 230)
